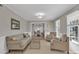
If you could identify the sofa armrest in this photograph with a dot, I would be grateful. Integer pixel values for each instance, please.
(14, 43)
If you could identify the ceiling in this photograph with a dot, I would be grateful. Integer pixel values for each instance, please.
(51, 11)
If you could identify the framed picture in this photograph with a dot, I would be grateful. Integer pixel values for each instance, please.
(15, 24)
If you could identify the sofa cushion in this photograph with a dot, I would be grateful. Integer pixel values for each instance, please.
(18, 37)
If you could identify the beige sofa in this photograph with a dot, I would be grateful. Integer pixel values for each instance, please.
(61, 44)
(18, 42)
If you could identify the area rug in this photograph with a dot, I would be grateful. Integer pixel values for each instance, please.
(35, 44)
(15, 52)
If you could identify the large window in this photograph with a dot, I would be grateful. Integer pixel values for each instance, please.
(73, 26)
(58, 28)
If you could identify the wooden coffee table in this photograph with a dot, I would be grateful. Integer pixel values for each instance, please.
(35, 43)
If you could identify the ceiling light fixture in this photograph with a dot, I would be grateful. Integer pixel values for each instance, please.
(40, 15)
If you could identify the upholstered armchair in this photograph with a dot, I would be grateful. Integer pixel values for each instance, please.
(61, 44)
(50, 36)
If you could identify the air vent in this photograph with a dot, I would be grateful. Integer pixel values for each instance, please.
(1, 5)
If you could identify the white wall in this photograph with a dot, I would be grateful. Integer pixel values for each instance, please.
(5, 26)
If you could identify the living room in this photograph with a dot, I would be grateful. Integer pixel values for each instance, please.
(25, 31)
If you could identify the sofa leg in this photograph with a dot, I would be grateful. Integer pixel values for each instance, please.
(67, 52)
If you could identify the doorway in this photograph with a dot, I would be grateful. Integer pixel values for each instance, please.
(38, 30)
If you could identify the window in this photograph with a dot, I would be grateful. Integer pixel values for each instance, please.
(73, 26)
(58, 28)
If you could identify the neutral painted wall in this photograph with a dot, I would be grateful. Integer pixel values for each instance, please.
(5, 26)
(5, 22)
(51, 26)
(63, 24)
